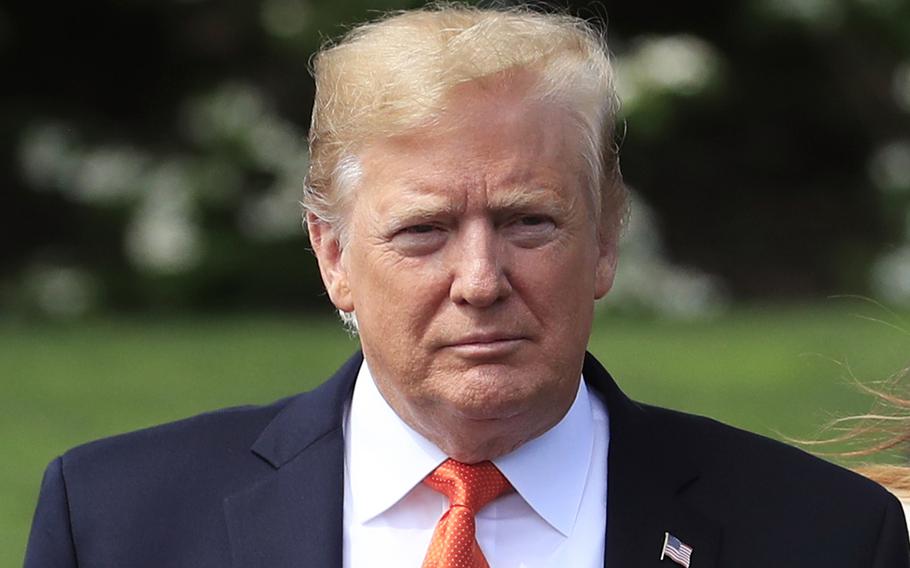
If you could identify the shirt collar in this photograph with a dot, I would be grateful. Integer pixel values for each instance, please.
(378, 436)
(561, 453)
(387, 458)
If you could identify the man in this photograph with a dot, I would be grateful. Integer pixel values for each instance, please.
(464, 201)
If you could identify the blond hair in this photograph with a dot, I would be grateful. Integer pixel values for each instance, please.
(386, 77)
(883, 430)
(888, 429)
(895, 477)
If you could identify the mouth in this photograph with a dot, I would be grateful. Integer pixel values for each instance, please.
(486, 346)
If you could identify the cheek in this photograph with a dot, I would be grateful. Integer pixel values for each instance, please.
(561, 281)
(396, 299)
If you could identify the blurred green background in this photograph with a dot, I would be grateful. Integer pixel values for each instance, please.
(152, 263)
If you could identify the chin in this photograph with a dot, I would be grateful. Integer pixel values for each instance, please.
(489, 440)
(492, 409)
(492, 371)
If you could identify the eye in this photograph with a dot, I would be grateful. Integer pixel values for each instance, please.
(532, 220)
(419, 229)
(419, 239)
(530, 230)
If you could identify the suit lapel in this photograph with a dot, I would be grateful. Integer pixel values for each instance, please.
(293, 516)
(649, 473)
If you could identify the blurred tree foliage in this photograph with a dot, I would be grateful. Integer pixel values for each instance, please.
(154, 151)
(764, 177)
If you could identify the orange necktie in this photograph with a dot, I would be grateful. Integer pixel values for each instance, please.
(469, 488)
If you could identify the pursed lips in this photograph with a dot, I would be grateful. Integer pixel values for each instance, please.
(486, 344)
(487, 337)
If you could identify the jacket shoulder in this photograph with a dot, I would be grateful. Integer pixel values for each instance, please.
(767, 492)
(166, 483)
(730, 453)
(216, 435)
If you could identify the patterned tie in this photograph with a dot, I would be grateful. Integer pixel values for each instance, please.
(469, 489)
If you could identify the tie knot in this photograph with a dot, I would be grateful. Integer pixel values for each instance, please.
(469, 485)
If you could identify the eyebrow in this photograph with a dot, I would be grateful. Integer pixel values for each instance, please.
(527, 197)
(423, 203)
(417, 204)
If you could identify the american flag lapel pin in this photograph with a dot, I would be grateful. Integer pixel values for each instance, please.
(676, 550)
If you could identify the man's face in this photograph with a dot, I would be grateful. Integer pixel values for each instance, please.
(473, 264)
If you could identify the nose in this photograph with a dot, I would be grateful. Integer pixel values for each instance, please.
(480, 275)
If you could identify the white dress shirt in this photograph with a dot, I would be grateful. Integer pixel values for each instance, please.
(556, 517)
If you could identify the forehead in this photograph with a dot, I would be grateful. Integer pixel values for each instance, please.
(490, 137)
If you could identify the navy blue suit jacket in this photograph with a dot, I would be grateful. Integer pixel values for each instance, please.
(263, 487)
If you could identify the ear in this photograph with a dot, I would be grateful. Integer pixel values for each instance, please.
(606, 268)
(327, 246)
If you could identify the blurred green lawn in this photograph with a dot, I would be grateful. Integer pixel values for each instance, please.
(776, 371)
